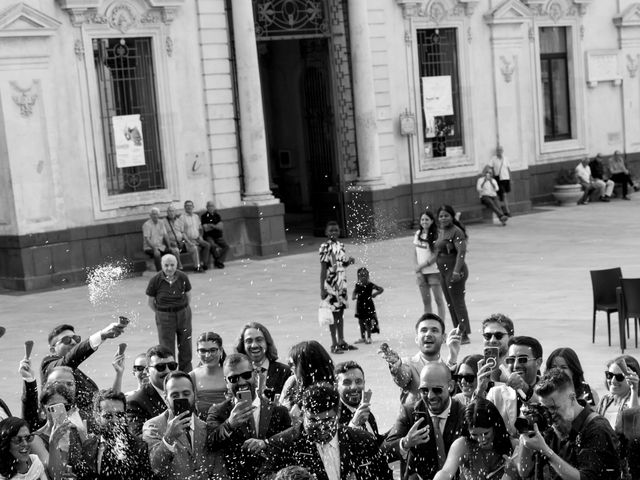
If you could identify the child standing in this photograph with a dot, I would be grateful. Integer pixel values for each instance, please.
(363, 293)
(333, 284)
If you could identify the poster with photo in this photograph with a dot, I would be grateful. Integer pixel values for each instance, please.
(127, 136)
(437, 99)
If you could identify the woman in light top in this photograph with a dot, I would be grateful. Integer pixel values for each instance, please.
(16, 458)
(428, 277)
(622, 382)
(208, 379)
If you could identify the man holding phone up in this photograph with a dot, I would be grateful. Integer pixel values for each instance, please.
(239, 426)
(177, 438)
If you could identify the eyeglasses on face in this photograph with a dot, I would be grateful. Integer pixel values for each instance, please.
(18, 439)
(499, 335)
(469, 377)
(435, 390)
(244, 375)
(520, 360)
(161, 367)
(68, 339)
(618, 376)
(208, 351)
(139, 368)
(111, 415)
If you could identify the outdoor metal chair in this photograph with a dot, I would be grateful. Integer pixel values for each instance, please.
(604, 283)
(630, 303)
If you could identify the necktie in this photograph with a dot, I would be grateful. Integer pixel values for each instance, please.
(187, 432)
(442, 456)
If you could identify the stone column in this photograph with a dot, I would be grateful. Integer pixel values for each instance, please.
(364, 96)
(255, 162)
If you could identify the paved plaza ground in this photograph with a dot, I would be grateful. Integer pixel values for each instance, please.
(536, 270)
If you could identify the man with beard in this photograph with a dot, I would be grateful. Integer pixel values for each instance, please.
(429, 338)
(580, 446)
(114, 453)
(324, 447)
(354, 411)
(497, 330)
(424, 431)
(148, 402)
(177, 438)
(523, 361)
(257, 343)
(238, 426)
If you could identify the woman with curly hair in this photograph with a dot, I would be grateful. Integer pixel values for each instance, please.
(428, 277)
(480, 452)
(16, 458)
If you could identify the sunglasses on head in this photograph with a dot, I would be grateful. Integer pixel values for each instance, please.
(469, 377)
(618, 376)
(139, 368)
(161, 367)
(68, 339)
(499, 335)
(435, 390)
(18, 439)
(244, 375)
(520, 360)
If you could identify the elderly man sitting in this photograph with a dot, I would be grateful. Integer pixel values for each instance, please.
(155, 239)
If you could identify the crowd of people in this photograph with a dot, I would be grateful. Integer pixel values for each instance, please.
(506, 411)
(599, 176)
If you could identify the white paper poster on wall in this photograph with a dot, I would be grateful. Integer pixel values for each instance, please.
(127, 136)
(437, 99)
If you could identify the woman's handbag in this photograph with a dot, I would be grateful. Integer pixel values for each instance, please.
(325, 314)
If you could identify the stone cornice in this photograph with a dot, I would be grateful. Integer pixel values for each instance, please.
(509, 12)
(437, 10)
(21, 20)
(557, 9)
(122, 15)
(629, 17)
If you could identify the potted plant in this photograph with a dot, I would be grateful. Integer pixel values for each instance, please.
(566, 188)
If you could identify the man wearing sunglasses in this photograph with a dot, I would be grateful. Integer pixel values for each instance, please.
(425, 430)
(523, 362)
(323, 446)
(148, 402)
(68, 349)
(581, 445)
(497, 330)
(239, 426)
(113, 453)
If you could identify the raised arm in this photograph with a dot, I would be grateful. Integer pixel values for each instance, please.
(450, 468)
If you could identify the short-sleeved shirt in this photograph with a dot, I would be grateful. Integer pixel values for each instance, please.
(167, 294)
(211, 219)
(191, 226)
(153, 234)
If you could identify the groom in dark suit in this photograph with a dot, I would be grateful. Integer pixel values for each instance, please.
(425, 430)
(238, 426)
(323, 446)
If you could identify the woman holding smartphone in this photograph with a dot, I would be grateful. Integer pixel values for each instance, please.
(621, 378)
(17, 460)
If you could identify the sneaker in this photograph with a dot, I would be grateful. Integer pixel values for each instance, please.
(582, 202)
(335, 349)
(198, 269)
(368, 341)
(346, 346)
(218, 264)
(204, 267)
(604, 198)
(626, 197)
(503, 220)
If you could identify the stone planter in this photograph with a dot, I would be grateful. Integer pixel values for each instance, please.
(567, 194)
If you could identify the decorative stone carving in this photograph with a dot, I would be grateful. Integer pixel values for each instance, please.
(168, 43)
(632, 65)
(25, 98)
(629, 17)
(78, 48)
(469, 35)
(557, 9)
(21, 20)
(510, 12)
(507, 68)
(437, 10)
(121, 15)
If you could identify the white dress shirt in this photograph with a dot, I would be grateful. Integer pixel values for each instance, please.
(330, 456)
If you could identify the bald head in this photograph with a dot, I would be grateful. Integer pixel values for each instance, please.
(436, 386)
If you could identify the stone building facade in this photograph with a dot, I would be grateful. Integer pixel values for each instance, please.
(289, 112)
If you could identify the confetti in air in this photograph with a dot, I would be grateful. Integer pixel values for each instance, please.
(103, 281)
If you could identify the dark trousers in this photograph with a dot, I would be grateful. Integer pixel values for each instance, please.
(172, 325)
(454, 292)
(337, 328)
(624, 179)
(219, 248)
(156, 254)
(492, 203)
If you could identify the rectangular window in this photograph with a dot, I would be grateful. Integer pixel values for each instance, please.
(438, 57)
(126, 85)
(554, 68)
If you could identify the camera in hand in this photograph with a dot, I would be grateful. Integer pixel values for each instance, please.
(533, 413)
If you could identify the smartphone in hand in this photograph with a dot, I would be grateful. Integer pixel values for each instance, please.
(244, 395)
(28, 348)
(366, 396)
(180, 405)
(491, 355)
(121, 348)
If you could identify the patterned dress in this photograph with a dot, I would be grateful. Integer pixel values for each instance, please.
(332, 253)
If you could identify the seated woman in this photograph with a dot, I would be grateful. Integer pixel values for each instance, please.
(208, 379)
(466, 377)
(480, 453)
(622, 383)
(487, 189)
(566, 359)
(17, 458)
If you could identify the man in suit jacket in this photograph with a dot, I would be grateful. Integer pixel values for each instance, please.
(324, 447)
(353, 411)
(68, 349)
(414, 436)
(239, 427)
(148, 402)
(178, 448)
(257, 343)
(114, 453)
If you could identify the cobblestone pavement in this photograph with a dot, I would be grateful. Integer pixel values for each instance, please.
(536, 270)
